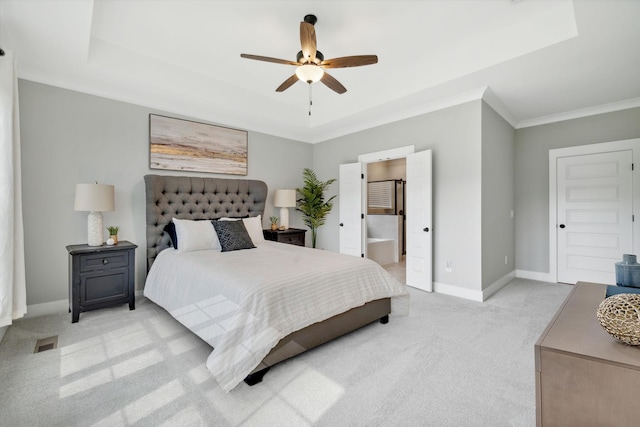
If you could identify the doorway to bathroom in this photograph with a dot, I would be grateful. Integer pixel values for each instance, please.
(385, 215)
(416, 212)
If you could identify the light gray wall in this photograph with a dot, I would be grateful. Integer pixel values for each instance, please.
(498, 196)
(454, 136)
(532, 175)
(69, 138)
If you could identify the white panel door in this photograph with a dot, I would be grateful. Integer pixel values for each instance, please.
(418, 209)
(594, 218)
(351, 222)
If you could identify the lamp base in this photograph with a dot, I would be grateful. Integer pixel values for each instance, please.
(284, 218)
(94, 229)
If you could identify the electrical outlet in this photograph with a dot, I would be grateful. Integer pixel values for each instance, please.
(449, 267)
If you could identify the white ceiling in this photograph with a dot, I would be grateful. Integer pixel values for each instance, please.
(534, 61)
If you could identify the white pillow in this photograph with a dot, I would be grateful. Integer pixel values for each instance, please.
(254, 228)
(196, 235)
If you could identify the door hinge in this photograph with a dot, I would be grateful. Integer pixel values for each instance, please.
(361, 216)
(361, 255)
(361, 176)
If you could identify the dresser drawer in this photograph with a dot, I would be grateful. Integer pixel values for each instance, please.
(102, 260)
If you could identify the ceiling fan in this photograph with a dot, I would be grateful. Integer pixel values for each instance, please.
(311, 63)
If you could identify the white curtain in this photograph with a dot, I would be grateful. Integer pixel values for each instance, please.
(13, 292)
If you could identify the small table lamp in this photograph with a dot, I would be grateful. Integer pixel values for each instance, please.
(94, 198)
(284, 199)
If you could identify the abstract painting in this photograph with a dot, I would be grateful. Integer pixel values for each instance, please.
(184, 145)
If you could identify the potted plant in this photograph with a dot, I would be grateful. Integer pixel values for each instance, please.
(113, 233)
(312, 202)
(274, 222)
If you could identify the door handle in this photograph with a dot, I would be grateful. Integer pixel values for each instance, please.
(341, 225)
(562, 226)
(426, 229)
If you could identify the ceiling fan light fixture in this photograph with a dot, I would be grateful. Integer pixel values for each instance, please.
(309, 73)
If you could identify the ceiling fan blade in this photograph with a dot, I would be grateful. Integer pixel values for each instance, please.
(308, 41)
(287, 83)
(332, 83)
(350, 61)
(268, 59)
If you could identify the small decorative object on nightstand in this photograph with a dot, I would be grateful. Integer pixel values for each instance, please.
(113, 234)
(101, 276)
(274, 222)
(292, 236)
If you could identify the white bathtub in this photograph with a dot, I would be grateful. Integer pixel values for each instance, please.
(382, 251)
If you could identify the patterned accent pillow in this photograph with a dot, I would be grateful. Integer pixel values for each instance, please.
(232, 235)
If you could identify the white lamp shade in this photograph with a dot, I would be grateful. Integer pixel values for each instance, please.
(284, 198)
(94, 197)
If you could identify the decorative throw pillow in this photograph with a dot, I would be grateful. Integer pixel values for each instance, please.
(195, 235)
(232, 235)
(254, 228)
(170, 229)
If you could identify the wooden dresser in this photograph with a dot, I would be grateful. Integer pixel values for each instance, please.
(583, 376)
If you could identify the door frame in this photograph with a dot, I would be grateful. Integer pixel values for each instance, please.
(603, 147)
(377, 156)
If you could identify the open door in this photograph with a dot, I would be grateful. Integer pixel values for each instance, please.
(351, 221)
(418, 210)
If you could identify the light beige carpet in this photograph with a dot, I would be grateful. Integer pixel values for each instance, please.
(450, 362)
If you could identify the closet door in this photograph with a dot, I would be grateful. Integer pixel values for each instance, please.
(595, 211)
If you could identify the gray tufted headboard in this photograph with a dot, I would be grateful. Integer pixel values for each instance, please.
(187, 197)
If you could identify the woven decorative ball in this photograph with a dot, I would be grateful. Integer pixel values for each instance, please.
(619, 315)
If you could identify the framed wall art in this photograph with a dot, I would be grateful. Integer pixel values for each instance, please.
(184, 145)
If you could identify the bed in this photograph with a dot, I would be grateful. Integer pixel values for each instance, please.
(260, 306)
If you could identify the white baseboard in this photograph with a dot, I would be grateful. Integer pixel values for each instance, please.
(472, 294)
(457, 291)
(497, 285)
(54, 307)
(535, 275)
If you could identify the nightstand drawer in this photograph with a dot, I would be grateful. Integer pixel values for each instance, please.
(103, 260)
(292, 239)
(291, 236)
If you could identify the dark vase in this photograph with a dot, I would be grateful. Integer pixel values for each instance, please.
(628, 271)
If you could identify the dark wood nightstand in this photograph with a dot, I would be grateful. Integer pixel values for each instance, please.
(101, 276)
(292, 236)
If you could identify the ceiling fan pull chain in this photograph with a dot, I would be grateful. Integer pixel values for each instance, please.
(310, 99)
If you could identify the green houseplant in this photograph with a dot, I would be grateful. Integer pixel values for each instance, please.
(312, 202)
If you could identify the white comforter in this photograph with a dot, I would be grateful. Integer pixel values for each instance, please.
(243, 302)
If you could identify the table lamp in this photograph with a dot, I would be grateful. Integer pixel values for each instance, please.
(94, 198)
(284, 199)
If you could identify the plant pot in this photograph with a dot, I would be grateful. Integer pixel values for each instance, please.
(115, 238)
(274, 227)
